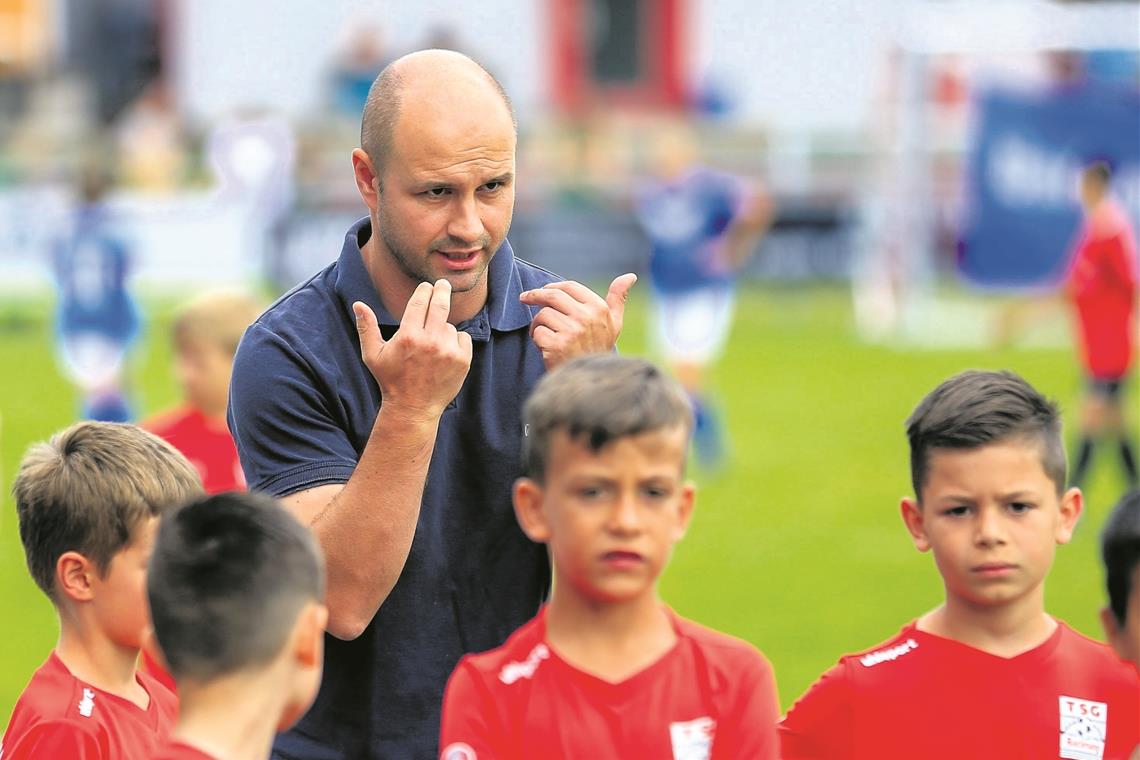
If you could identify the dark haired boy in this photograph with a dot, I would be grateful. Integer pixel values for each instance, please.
(88, 503)
(606, 669)
(1120, 551)
(987, 674)
(235, 589)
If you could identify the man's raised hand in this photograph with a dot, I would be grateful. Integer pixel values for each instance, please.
(421, 369)
(575, 320)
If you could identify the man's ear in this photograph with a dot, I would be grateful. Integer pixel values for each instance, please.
(75, 576)
(528, 498)
(367, 181)
(1072, 506)
(915, 523)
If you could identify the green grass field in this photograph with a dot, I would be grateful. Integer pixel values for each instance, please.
(796, 545)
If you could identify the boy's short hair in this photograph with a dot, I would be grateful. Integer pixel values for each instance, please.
(88, 489)
(219, 318)
(597, 399)
(977, 408)
(227, 578)
(1120, 551)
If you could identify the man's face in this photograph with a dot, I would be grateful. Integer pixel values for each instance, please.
(446, 191)
(992, 519)
(611, 517)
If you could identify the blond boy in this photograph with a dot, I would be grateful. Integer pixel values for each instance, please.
(88, 503)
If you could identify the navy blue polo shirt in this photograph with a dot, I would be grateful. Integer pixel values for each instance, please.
(302, 406)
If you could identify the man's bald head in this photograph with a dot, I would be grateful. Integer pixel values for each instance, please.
(439, 72)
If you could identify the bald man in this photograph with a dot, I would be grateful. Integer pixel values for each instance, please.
(381, 400)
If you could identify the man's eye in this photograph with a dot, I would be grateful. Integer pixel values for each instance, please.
(436, 192)
(493, 185)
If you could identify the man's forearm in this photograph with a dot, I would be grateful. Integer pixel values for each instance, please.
(366, 530)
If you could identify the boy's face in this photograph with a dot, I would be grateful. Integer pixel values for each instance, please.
(1125, 640)
(992, 518)
(119, 596)
(610, 517)
(203, 371)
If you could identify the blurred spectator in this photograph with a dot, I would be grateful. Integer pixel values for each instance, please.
(151, 143)
(206, 334)
(703, 226)
(98, 319)
(356, 66)
(1102, 288)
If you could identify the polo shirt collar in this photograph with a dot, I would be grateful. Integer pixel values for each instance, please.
(502, 312)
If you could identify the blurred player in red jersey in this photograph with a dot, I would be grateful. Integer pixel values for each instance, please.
(606, 669)
(1102, 287)
(235, 588)
(88, 503)
(206, 335)
(987, 674)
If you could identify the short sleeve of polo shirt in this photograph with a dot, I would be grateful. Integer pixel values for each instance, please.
(281, 418)
(818, 727)
(57, 738)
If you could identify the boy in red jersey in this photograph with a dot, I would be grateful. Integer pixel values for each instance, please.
(206, 334)
(88, 503)
(235, 588)
(606, 670)
(1102, 287)
(987, 674)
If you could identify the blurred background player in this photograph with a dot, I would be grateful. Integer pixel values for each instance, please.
(702, 225)
(88, 503)
(1120, 552)
(97, 318)
(606, 669)
(235, 587)
(988, 470)
(206, 333)
(1102, 287)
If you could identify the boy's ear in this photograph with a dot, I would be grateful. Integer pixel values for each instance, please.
(915, 524)
(685, 509)
(75, 576)
(1071, 506)
(528, 497)
(309, 635)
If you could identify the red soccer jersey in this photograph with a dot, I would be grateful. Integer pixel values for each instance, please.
(710, 696)
(176, 750)
(924, 696)
(1102, 285)
(59, 716)
(206, 443)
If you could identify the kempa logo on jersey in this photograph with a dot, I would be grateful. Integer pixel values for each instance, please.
(513, 671)
(692, 739)
(87, 704)
(1084, 728)
(886, 655)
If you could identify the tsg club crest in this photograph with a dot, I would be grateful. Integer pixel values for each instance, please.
(1084, 729)
(692, 740)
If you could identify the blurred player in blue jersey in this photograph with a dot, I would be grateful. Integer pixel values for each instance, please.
(703, 225)
(97, 319)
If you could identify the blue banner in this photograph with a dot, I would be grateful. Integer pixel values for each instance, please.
(1023, 213)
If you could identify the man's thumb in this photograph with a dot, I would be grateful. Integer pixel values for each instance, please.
(619, 292)
(371, 341)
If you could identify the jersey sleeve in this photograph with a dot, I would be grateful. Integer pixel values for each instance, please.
(57, 738)
(1120, 260)
(470, 727)
(819, 725)
(281, 420)
(749, 729)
